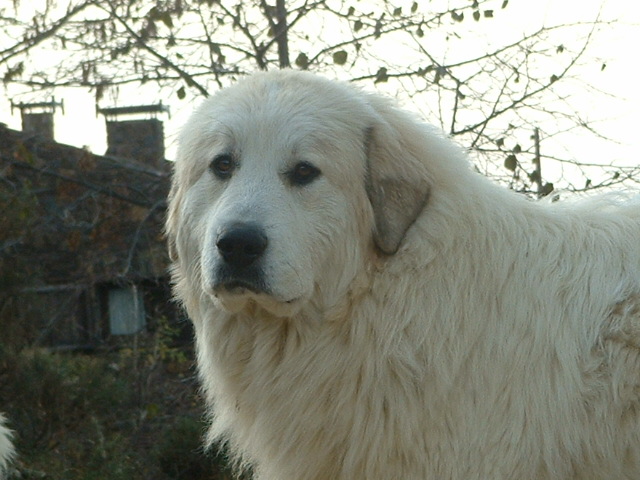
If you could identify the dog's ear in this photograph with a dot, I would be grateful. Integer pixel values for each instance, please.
(397, 183)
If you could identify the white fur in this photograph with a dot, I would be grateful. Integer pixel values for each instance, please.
(500, 341)
(6, 447)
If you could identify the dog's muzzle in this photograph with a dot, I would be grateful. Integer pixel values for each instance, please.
(241, 247)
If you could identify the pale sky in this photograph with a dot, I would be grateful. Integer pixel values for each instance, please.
(616, 111)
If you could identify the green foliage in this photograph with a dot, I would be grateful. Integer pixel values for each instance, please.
(158, 348)
(302, 61)
(20, 213)
(13, 72)
(382, 75)
(547, 188)
(49, 392)
(511, 163)
(180, 453)
(131, 414)
(340, 57)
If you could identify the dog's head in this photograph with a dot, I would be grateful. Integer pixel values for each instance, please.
(285, 185)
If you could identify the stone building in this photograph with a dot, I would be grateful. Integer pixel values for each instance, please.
(82, 253)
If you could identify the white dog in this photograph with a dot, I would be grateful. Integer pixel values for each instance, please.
(6, 447)
(368, 307)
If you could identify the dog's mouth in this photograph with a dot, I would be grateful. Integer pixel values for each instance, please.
(239, 281)
(236, 290)
(242, 288)
(239, 287)
(236, 295)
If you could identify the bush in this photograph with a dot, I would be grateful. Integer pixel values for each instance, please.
(50, 393)
(181, 455)
(108, 416)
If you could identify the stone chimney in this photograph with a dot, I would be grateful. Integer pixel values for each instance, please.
(140, 139)
(37, 118)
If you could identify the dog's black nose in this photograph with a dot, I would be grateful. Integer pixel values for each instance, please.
(241, 244)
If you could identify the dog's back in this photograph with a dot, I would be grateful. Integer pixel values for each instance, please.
(367, 307)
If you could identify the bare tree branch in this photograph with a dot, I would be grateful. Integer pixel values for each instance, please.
(31, 41)
(183, 74)
(481, 98)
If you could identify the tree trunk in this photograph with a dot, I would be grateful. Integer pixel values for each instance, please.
(282, 34)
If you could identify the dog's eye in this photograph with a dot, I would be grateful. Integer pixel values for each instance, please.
(223, 166)
(303, 173)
